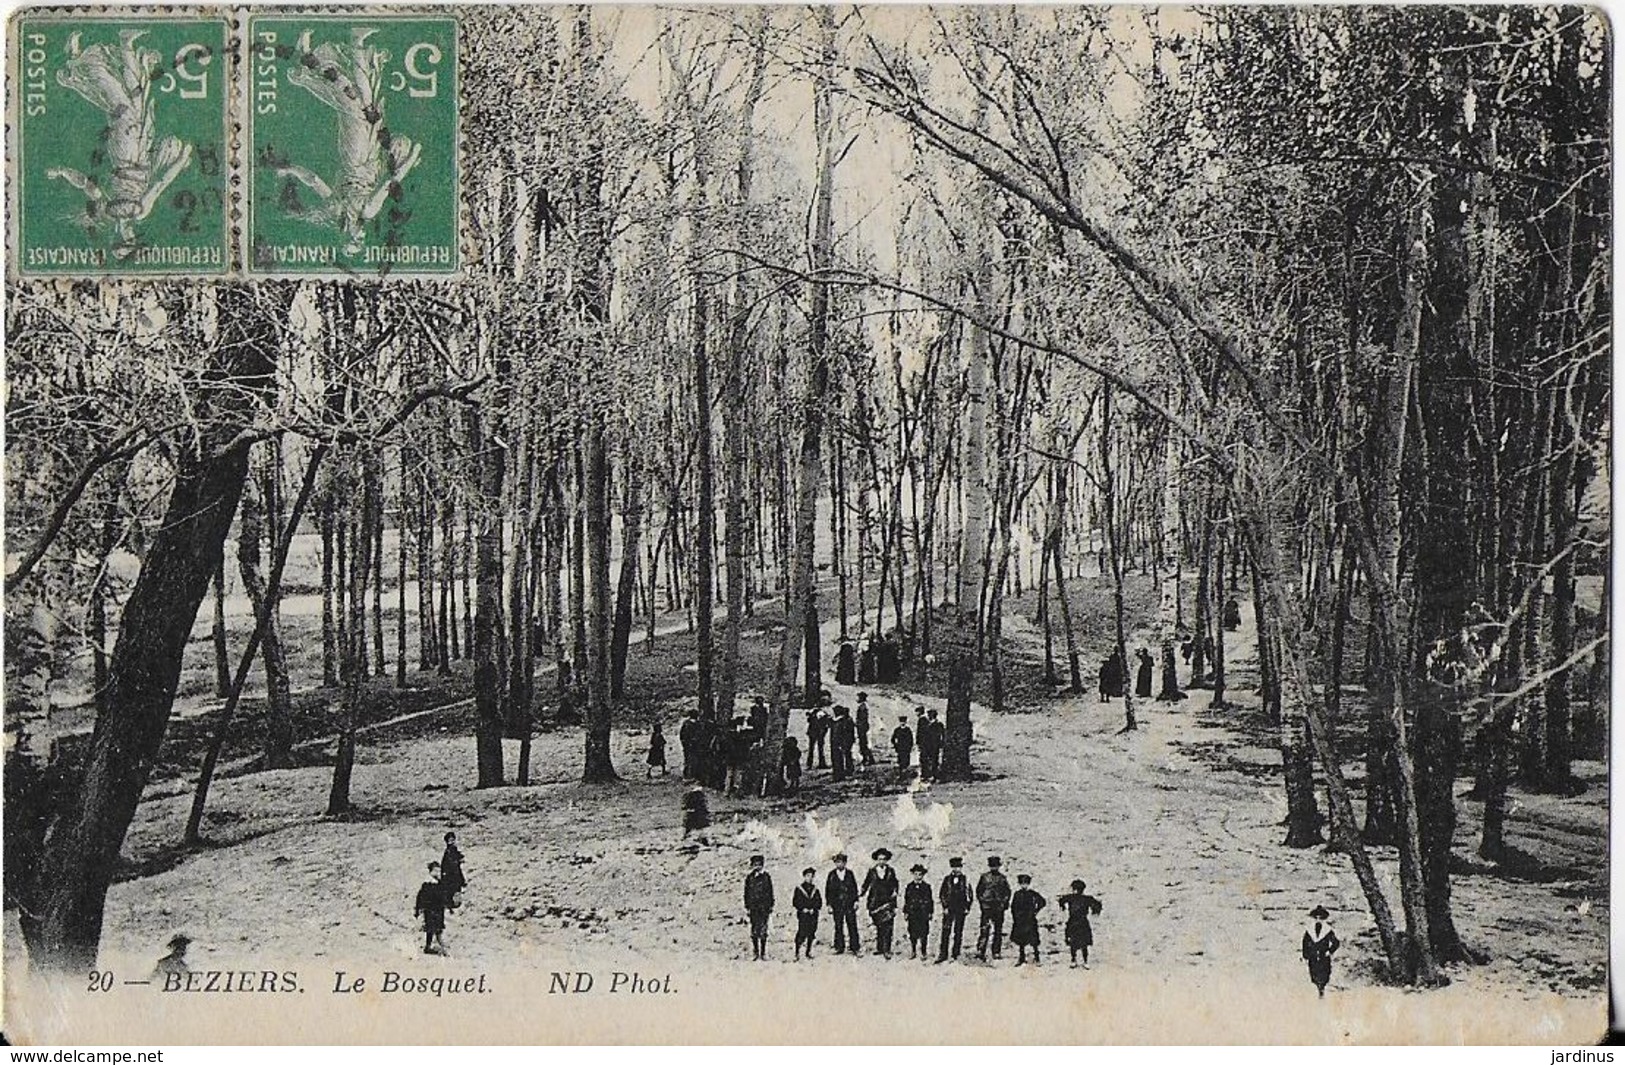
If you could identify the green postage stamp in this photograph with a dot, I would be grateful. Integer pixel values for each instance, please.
(120, 145)
(352, 141)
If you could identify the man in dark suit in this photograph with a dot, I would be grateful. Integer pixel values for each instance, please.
(993, 893)
(841, 896)
(955, 896)
(758, 905)
(842, 735)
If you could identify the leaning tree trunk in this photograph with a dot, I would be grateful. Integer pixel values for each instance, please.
(626, 586)
(278, 693)
(63, 917)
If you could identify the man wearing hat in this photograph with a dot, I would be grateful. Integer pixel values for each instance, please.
(880, 885)
(807, 902)
(841, 738)
(1319, 944)
(902, 741)
(993, 895)
(864, 754)
(841, 896)
(955, 896)
(917, 908)
(175, 960)
(758, 905)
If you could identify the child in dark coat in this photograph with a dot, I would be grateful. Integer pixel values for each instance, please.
(917, 907)
(790, 762)
(1024, 907)
(1079, 907)
(657, 752)
(807, 901)
(431, 906)
(758, 905)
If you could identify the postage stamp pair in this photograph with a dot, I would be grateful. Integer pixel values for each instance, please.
(224, 143)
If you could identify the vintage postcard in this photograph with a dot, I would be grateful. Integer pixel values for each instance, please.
(730, 524)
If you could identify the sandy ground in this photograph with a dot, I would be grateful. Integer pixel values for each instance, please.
(1197, 942)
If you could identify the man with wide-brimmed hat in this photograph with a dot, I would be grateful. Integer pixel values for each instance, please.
(880, 887)
(955, 896)
(841, 896)
(1319, 944)
(993, 894)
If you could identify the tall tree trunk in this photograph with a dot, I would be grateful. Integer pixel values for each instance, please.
(491, 469)
(627, 582)
(353, 664)
(1114, 552)
(599, 768)
(217, 633)
(801, 605)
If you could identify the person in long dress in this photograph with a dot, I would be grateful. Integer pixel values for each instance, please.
(1319, 944)
(1079, 908)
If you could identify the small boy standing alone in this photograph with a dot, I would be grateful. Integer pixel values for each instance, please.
(808, 901)
(431, 906)
(917, 907)
(1024, 907)
(1079, 907)
(758, 905)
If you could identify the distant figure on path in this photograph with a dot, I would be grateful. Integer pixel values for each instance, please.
(657, 752)
(993, 895)
(689, 736)
(696, 814)
(846, 663)
(955, 896)
(1142, 680)
(1024, 907)
(807, 902)
(175, 960)
(1079, 935)
(880, 886)
(866, 663)
(758, 715)
(841, 896)
(758, 905)
(1112, 677)
(1319, 944)
(817, 730)
(842, 735)
(431, 906)
(930, 736)
(1232, 615)
(452, 879)
(917, 907)
(864, 753)
(902, 741)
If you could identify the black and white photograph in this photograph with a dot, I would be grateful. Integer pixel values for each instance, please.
(541, 524)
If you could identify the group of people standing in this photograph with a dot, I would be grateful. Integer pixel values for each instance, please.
(839, 732)
(873, 659)
(882, 893)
